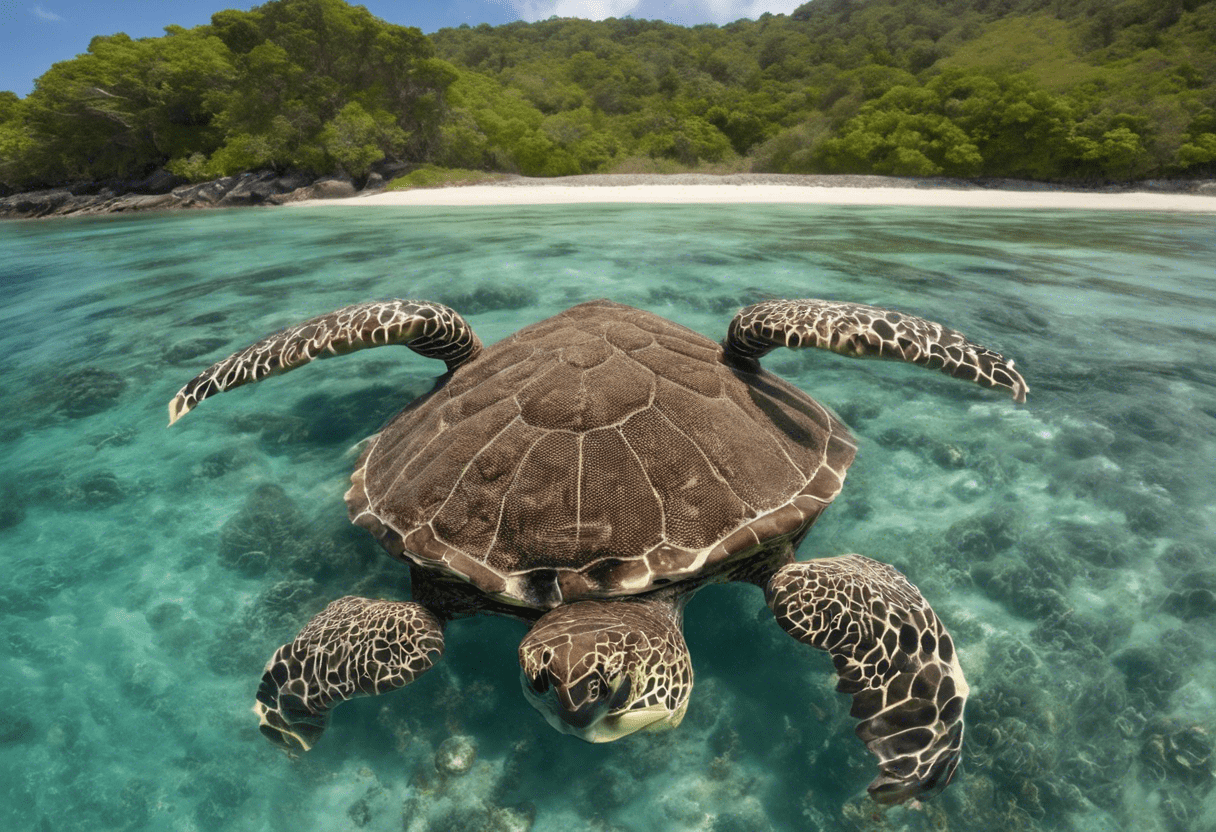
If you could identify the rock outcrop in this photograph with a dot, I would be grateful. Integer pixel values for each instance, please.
(162, 191)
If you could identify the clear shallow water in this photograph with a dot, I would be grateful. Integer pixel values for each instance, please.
(147, 574)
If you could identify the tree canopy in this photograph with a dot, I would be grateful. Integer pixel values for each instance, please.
(311, 84)
(1085, 91)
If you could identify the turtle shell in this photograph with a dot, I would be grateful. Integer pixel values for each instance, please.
(602, 452)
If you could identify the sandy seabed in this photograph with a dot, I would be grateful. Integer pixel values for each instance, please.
(779, 189)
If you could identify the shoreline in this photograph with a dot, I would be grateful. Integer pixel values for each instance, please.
(704, 189)
(268, 188)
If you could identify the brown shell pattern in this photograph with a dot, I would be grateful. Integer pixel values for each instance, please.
(599, 453)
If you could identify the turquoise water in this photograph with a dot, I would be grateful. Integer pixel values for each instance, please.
(147, 574)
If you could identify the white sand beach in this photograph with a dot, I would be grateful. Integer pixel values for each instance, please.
(760, 188)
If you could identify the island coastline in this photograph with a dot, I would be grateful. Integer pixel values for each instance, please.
(793, 189)
(267, 188)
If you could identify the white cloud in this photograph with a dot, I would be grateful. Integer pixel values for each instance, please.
(588, 9)
(724, 11)
(680, 11)
(44, 14)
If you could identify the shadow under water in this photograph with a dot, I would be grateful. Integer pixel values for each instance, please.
(148, 574)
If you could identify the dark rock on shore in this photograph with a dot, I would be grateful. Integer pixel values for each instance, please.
(35, 203)
(162, 191)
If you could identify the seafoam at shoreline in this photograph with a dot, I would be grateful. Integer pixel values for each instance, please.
(532, 192)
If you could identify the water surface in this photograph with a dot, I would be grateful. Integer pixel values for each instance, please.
(149, 573)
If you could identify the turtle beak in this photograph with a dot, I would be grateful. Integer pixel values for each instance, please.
(579, 709)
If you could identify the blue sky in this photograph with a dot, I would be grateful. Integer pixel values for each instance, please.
(36, 34)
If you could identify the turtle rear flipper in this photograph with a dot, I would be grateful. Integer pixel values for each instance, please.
(353, 647)
(892, 654)
(861, 331)
(429, 329)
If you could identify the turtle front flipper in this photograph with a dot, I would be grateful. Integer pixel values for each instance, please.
(892, 654)
(601, 670)
(856, 330)
(353, 647)
(429, 329)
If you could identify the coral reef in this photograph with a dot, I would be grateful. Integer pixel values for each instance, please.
(86, 391)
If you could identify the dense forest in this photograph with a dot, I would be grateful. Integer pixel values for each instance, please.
(1054, 90)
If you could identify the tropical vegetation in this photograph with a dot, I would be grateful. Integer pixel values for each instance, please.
(1054, 90)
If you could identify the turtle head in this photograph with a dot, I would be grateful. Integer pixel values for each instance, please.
(603, 670)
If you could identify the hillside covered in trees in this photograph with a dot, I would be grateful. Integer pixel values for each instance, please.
(1055, 90)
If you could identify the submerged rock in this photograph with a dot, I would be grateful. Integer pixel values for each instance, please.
(512, 819)
(983, 536)
(1191, 603)
(492, 296)
(276, 432)
(223, 462)
(192, 348)
(267, 524)
(243, 645)
(855, 412)
(100, 490)
(12, 508)
(1024, 591)
(268, 529)
(748, 817)
(15, 728)
(1180, 751)
(456, 755)
(1151, 673)
(88, 390)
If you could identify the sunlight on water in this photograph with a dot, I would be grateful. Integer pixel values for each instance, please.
(148, 574)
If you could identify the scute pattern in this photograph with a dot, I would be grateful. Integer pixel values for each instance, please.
(429, 329)
(892, 654)
(595, 454)
(857, 330)
(353, 647)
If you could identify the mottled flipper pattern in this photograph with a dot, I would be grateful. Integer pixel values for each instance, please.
(892, 654)
(603, 669)
(429, 329)
(856, 330)
(353, 647)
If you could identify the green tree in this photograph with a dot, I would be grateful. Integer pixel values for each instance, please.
(323, 84)
(903, 133)
(16, 142)
(1197, 154)
(127, 106)
(1018, 129)
(897, 86)
(687, 140)
(1116, 154)
(355, 139)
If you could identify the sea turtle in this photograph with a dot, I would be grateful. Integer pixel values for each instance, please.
(587, 475)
